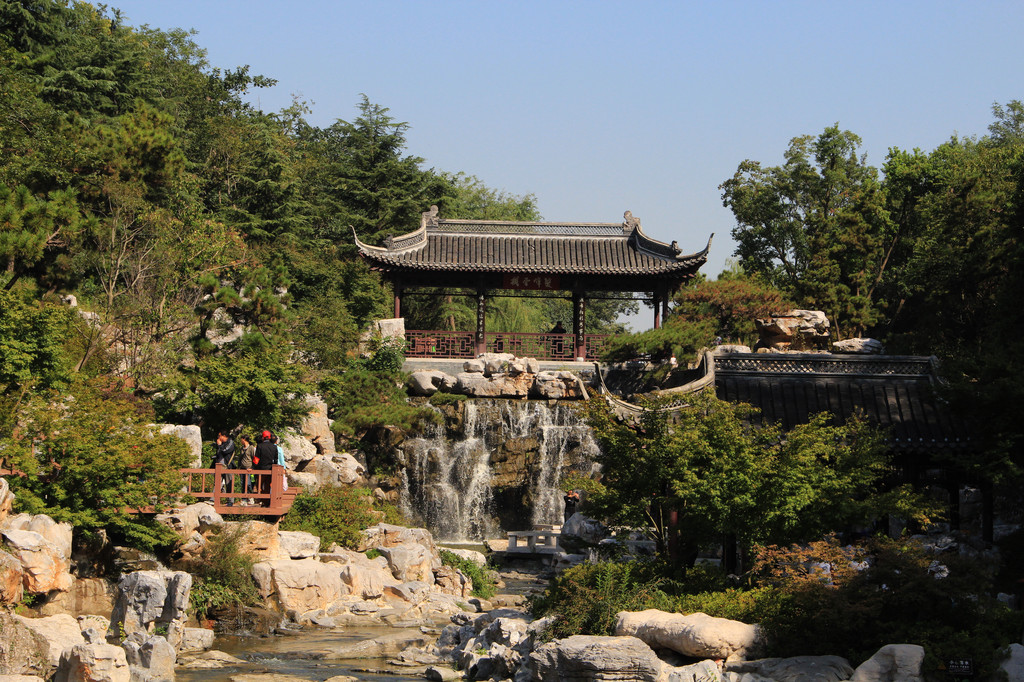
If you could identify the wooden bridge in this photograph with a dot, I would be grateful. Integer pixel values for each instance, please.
(241, 491)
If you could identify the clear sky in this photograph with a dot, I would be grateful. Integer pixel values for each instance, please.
(598, 107)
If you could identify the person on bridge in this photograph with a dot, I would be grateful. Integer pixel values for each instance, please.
(225, 455)
(264, 460)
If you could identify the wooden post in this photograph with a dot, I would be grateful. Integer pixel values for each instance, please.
(657, 311)
(579, 324)
(217, 469)
(481, 322)
(276, 487)
(398, 299)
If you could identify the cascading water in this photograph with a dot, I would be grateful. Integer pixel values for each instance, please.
(498, 468)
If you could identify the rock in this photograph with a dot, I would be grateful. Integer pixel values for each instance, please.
(152, 598)
(469, 555)
(45, 565)
(151, 658)
(702, 671)
(258, 538)
(87, 596)
(859, 346)
(328, 471)
(197, 517)
(350, 469)
(494, 385)
(585, 657)
(388, 535)
(729, 348)
(557, 386)
(296, 447)
(21, 678)
(442, 674)
(391, 328)
(299, 544)
(473, 366)
(589, 531)
(93, 663)
(23, 650)
(6, 501)
(11, 579)
(60, 632)
(427, 382)
(390, 644)
(316, 426)
(197, 639)
(795, 669)
(368, 581)
(1013, 665)
(891, 663)
(450, 580)
(192, 436)
(793, 330)
(209, 660)
(697, 635)
(409, 561)
(300, 585)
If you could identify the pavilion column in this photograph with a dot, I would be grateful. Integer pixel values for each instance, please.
(657, 310)
(398, 299)
(579, 323)
(481, 322)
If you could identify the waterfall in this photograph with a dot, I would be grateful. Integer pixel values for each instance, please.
(497, 468)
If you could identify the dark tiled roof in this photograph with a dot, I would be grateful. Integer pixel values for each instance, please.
(522, 247)
(895, 392)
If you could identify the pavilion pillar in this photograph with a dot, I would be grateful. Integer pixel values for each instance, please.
(657, 310)
(481, 322)
(579, 324)
(398, 299)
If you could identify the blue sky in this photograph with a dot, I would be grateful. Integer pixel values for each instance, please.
(598, 107)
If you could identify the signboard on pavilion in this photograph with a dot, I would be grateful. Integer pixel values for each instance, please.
(538, 282)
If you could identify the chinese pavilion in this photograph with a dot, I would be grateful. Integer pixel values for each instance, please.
(584, 260)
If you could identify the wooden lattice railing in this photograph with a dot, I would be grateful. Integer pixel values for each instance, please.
(442, 344)
(241, 491)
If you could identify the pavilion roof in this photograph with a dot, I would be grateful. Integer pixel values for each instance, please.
(477, 246)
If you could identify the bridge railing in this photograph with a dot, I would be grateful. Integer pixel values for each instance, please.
(231, 490)
(444, 344)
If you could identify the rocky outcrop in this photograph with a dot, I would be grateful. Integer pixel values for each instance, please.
(11, 579)
(797, 668)
(585, 657)
(300, 586)
(193, 438)
(150, 658)
(697, 635)
(45, 564)
(559, 385)
(23, 650)
(87, 596)
(93, 663)
(199, 517)
(327, 470)
(316, 426)
(859, 346)
(59, 632)
(147, 599)
(793, 330)
(6, 501)
(891, 663)
(297, 544)
(493, 644)
(499, 375)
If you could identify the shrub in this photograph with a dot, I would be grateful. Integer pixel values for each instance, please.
(338, 515)
(359, 399)
(585, 598)
(483, 581)
(223, 574)
(442, 398)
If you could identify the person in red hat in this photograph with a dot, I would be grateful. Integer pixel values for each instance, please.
(266, 457)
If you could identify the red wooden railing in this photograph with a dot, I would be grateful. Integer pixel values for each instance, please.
(442, 344)
(241, 491)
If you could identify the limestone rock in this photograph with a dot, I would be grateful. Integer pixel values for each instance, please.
(193, 438)
(793, 330)
(495, 363)
(327, 470)
(859, 346)
(1013, 665)
(87, 596)
(409, 561)
(469, 555)
(728, 348)
(390, 644)
(300, 585)
(450, 580)
(11, 579)
(473, 366)
(258, 538)
(152, 598)
(299, 544)
(93, 663)
(891, 663)
(60, 632)
(151, 658)
(23, 650)
(296, 447)
(585, 657)
(45, 565)
(197, 639)
(697, 634)
(316, 426)
(57, 534)
(557, 386)
(589, 531)
(6, 500)
(185, 521)
(427, 382)
(795, 669)
(388, 535)
(368, 581)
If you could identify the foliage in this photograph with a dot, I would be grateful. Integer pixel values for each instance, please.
(678, 338)
(388, 355)
(717, 474)
(731, 303)
(483, 580)
(31, 344)
(586, 598)
(91, 455)
(815, 227)
(222, 574)
(358, 399)
(442, 398)
(338, 515)
(900, 593)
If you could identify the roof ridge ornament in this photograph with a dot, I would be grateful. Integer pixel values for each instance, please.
(429, 218)
(630, 223)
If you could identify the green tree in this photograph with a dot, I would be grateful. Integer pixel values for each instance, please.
(815, 227)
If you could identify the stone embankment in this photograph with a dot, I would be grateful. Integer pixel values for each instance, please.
(499, 375)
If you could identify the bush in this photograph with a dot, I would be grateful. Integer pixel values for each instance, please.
(483, 582)
(223, 575)
(586, 598)
(359, 399)
(338, 515)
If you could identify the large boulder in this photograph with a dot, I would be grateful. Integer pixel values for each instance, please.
(23, 650)
(697, 635)
(151, 658)
(316, 426)
(586, 530)
(146, 599)
(60, 632)
(57, 534)
(185, 521)
(388, 535)
(793, 330)
(46, 567)
(87, 596)
(297, 448)
(585, 657)
(93, 663)
(197, 639)
(410, 561)
(795, 669)
(891, 663)
(327, 470)
(300, 585)
(557, 385)
(495, 385)
(859, 346)
(11, 579)
(6, 500)
(192, 436)
(427, 382)
(299, 544)
(259, 538)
